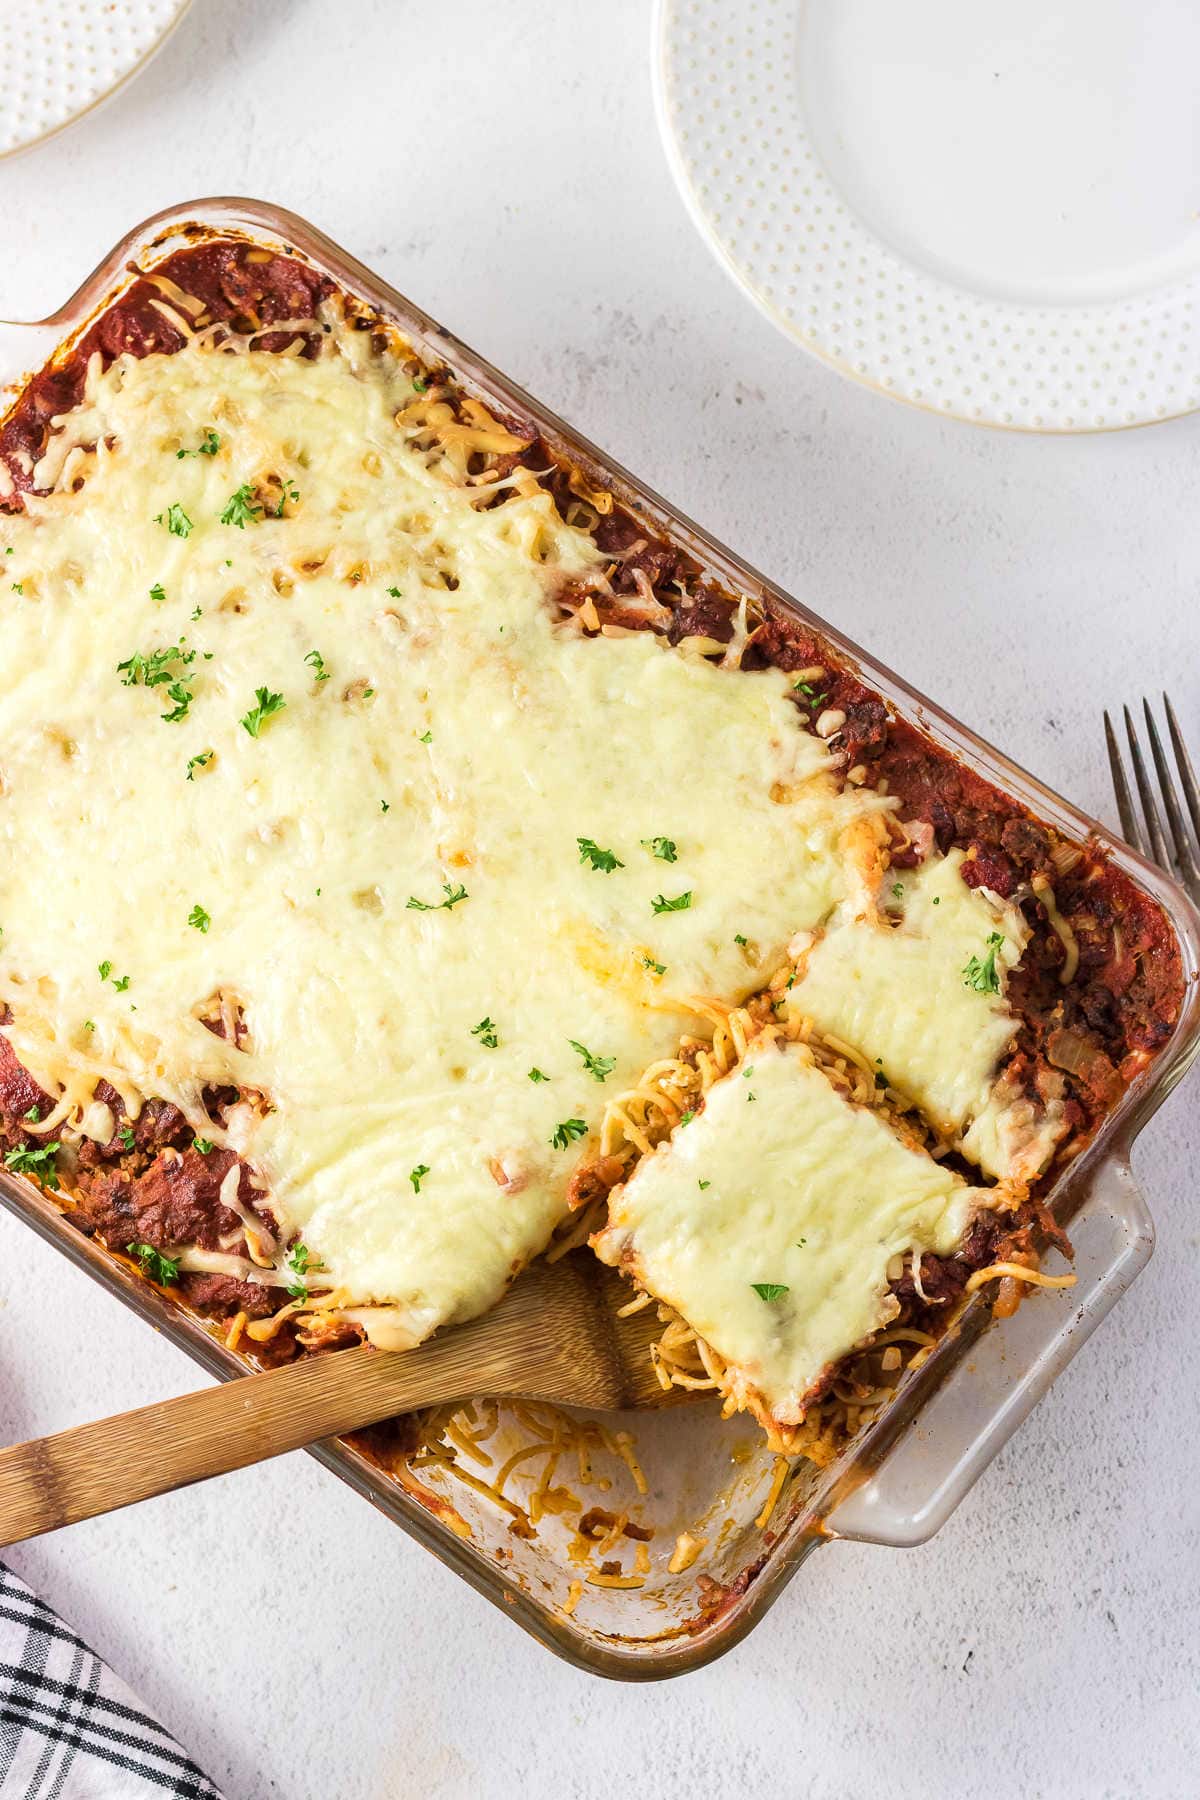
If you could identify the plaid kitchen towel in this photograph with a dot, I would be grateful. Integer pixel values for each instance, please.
(69, 1729)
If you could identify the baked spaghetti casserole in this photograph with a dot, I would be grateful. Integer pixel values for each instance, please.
(414, 863)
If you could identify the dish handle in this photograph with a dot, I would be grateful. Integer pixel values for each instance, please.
(969, 1419)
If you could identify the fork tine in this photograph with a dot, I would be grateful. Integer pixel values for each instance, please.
(1191, 789)
(1158, 843)
(1129, 819)
(1188, 872)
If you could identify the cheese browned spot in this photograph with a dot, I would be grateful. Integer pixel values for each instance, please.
(769, 1221)
(361, 946)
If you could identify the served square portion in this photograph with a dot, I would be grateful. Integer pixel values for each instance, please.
(778, 1221)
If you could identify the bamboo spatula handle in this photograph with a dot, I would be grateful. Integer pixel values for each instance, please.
(559, 1335)
(93, 1469)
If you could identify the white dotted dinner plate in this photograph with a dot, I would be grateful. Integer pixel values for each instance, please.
(990, 211)
(61, 58)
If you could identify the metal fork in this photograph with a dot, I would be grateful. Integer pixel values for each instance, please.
(1152, 842)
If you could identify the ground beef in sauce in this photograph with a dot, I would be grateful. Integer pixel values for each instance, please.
(19, 1095)
(704, 613)
(991, 1237)
(593, 1181)
(224, 1295)
(864, 734)
(174, 1201)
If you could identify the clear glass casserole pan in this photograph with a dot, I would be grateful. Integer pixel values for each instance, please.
(901, 1477)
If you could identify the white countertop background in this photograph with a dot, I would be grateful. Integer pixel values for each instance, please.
(500, 164)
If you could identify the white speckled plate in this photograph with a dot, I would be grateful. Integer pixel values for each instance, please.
(61, 58)
(990, 211)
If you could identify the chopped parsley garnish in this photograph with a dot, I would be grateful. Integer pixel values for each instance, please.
(241, 509)
(662, 847)
(197, 612)
(384, 806)
(18, 587)
(598, 1067)
(536, 1075)
(34, 1114)
(420, 383)
(739, 939)
(198, 762)
(158, 591)
(299, 1261)
(316, 663)
(485, 1031)
(181, 694)
(981, 973)
(290, 492)
(89, 1024)
(268, 705)
(656, 968)
(396, 593)
(209, 447)
(162, 668)
(202, 1146)
(809, 691)
(126, 1136)
(426, 737)
(897, 890)
(167, 668)
(38, 1163)
(703, 1184)
(680, 903)
(104, 970)
(602, 860)
(199, 918)
(160, 1268)
(802, 1243)
(747, 1072)
(453, 896)
(568, 1130)
(770, 1290)
(175, 520)
(687, 1117)
(417, 1176)
(120, 982)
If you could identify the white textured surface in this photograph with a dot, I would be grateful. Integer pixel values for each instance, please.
(990, 213)
(77, 52)
(1045, 1644)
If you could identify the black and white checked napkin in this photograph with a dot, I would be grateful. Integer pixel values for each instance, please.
(69, 1728)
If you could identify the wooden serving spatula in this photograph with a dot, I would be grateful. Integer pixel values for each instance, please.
(556, 1336)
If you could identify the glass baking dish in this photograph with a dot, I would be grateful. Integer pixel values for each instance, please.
(902, 1477)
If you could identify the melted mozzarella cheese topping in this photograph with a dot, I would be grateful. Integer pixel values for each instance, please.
(897, 987)
(384, 885)
(769, 1222)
